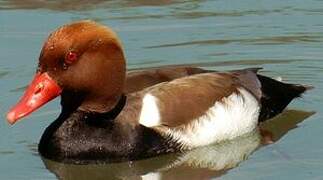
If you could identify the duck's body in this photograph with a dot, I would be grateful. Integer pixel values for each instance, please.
(113, 117)
(150, 119)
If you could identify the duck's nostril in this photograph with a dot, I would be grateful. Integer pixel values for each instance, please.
(39, 88)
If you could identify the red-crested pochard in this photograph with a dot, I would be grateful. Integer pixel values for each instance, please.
(108, 115)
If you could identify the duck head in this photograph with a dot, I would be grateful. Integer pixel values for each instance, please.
(82, 61)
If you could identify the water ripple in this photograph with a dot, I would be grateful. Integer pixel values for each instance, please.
(6, 152)
(52, 5)
(3, 73)
(256, 41)
(199, 14)
(247, 62)
(79, 5)
(19, 89)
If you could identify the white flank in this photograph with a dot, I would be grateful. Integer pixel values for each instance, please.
(233, 116)
(149, 115)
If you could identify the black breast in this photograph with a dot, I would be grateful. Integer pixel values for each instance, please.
(84, 137)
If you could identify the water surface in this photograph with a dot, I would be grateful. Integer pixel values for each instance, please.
(283, 37)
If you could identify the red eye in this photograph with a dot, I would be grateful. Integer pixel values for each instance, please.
(70, 57)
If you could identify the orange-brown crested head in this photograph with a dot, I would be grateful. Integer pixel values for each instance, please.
(82, 57)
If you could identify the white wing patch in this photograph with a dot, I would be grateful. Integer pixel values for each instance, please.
(149, 115)
(233, 116)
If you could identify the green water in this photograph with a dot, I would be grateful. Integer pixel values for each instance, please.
(283, 37)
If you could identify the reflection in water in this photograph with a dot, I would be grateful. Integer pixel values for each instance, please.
(286, 121)
(200, 163)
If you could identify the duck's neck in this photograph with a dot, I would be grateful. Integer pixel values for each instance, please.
(108, 115)
(99, 104)
(72, 101)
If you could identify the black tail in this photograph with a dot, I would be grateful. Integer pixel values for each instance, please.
(276, 96)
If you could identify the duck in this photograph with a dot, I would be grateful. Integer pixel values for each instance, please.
(109, 115)
(207, 161)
